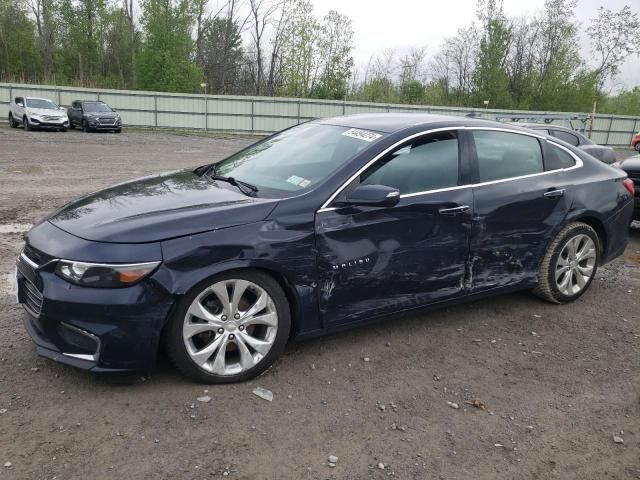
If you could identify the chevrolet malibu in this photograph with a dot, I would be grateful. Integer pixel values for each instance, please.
(327, 225)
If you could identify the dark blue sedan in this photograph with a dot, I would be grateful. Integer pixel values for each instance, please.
(327, 225)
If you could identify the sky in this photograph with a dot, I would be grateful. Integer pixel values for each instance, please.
(401, 24)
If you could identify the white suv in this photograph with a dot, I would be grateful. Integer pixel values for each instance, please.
(34, 112)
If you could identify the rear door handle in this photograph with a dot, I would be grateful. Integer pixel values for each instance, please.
(454, 210)
(554, 193)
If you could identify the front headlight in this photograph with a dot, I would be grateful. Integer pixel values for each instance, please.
(102, 275)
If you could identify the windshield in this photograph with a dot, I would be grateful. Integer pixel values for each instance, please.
(41, 103)
(296, 159)
(96, 107)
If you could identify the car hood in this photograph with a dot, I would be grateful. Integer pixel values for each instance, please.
(159, 207)
(631, 164)
(47, 111)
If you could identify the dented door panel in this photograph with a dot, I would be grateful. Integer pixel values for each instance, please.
(513, 223)
(374, 261)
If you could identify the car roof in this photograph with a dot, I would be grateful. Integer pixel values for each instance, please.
(38, 98)
(395, 122)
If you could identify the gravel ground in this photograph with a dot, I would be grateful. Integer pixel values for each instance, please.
(553, 384)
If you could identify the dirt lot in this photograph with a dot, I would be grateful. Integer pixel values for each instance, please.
(558, 383)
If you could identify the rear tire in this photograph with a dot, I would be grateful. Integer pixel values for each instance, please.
(569, 264)
(211, 343)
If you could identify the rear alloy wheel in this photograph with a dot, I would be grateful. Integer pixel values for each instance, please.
(229, 329)
(12, 121)
(569, 265)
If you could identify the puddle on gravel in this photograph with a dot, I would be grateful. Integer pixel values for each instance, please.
(14, 227)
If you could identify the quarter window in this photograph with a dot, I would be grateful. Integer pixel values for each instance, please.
(427, 163)
(558, 158)
(505, 155)
(570, 138)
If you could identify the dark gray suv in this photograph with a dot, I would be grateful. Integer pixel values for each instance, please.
(91, 115)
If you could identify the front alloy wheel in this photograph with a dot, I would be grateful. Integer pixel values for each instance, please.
(230, 329)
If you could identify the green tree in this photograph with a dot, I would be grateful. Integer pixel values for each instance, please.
(166, 59)
(490, 76)
(298, 50)
(19, 55)
(334, 61)
(221, 53)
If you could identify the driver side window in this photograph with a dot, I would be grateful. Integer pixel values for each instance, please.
(423, 164)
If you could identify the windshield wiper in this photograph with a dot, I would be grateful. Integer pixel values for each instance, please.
(246, 188)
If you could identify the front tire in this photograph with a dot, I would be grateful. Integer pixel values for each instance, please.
(637, 147)
(569, 264)
(229, 328)
(12, 121)
(26, 125)
(85, 126)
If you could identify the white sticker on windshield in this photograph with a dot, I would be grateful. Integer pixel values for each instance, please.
(365, 135)
(298, 181)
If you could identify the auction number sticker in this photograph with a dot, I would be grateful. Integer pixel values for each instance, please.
(365, 135)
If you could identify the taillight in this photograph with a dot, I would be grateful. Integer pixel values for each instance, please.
(628, 184)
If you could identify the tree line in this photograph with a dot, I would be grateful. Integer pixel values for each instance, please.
(281, 47)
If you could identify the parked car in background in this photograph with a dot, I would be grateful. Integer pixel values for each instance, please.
(635, 143)
(601, 152)
(91, 115)
(33, 112)
(330, 224)
(631, 165)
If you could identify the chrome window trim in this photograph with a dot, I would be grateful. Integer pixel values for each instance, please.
(325, 206)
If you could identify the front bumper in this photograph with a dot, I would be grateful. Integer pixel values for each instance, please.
(98, 125)
(39, 123)
(96, 329)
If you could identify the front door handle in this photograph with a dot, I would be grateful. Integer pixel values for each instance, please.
(554, 193)
(454, 210)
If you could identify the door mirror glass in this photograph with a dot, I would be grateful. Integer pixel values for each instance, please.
(20, 104)
(372, 196)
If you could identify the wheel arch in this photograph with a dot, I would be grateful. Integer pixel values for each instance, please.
(281, 278)
(599, 228)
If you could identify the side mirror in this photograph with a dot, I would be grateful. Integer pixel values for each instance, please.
(373, 196)
(62, 108)
(20, 104)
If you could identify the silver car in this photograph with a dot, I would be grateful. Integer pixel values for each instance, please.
(33, 112)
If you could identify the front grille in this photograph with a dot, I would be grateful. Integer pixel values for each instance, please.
(49, 118)
(36, 256)
(107, 121)
(32, 297)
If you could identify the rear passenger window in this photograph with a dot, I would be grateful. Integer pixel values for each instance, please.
(506, 155)
(427, 163)
(558, 158)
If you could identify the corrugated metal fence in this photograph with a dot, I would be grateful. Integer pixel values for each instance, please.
(260, 115)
